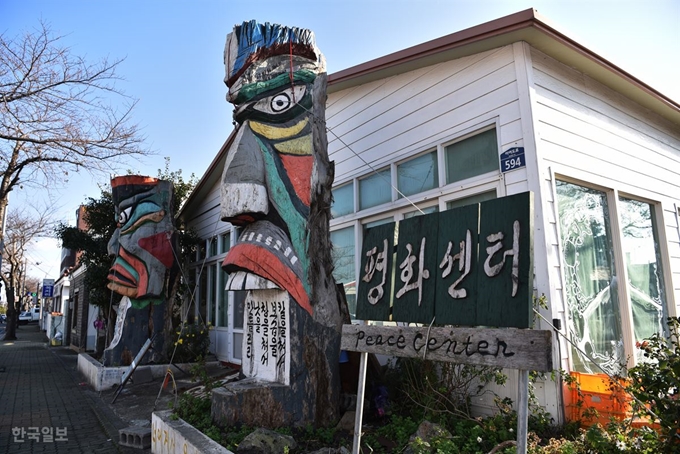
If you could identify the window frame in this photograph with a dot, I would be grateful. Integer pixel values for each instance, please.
(613, 195)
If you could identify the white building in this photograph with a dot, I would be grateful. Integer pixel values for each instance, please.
(601, 154)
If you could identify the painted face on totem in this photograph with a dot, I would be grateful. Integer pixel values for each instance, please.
(142, 243)
(266, 184)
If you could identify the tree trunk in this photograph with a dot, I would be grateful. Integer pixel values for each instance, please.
(12, 315)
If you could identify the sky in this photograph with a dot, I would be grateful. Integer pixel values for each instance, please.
(173, 61)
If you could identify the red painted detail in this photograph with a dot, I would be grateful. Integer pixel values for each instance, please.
(159, 246)
(118, 270)
(132, 180)
(299, 169)
(140, 267)
(264, 263)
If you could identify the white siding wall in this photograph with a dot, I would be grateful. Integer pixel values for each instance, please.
(592, 133)
(387, 120)
(205, 218)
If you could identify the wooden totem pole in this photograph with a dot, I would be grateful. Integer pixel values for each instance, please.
(276, 185)
(145, 265)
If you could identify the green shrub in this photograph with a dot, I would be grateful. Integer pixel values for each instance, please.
(656, 383)
(191, 342)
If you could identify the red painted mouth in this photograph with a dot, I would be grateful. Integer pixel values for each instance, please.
(262, 262)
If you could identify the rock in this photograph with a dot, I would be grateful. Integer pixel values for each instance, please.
(346, 423)
(340, 450)
(427, 432)
(265, 441)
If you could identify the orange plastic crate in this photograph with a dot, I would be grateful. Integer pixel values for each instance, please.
(599, 393)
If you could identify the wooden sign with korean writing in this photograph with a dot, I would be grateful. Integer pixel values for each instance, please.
(456, 287)
(376, 272)
(470, 266)
(505, 278)
(415, 270)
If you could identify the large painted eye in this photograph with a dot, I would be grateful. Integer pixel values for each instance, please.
(281, 101)
(124, 215)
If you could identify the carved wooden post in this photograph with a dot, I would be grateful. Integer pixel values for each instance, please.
(277, 185)
(144, 246)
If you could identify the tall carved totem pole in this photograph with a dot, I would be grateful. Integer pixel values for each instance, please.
(276, 185)
(144, 268)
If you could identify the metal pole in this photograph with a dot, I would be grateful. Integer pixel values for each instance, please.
(523, 412)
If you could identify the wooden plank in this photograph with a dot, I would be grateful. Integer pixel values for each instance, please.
(416, 269)
(505, 277)
(375, 290)
(512, 348)
(457, 289)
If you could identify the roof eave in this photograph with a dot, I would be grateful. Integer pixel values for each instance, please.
(527, 26)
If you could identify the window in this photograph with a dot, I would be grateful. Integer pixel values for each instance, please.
(225, 242)
(477, 198)
(472, 156)
(343, 200)
(344, 260)
(375, 189)
(223, 303)
(597, 304)
(213, 246)
(418, 175)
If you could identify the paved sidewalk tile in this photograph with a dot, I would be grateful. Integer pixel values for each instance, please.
(44, 406)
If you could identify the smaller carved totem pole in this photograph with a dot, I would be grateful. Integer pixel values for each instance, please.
(144, 246)
(276, 185)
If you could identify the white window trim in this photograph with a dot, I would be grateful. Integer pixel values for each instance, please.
(613, 194)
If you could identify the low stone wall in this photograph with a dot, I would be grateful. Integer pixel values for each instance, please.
(102, 378)
(170, 436)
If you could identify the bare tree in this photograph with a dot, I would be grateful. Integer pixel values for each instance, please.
(21, 230)
(59, 114)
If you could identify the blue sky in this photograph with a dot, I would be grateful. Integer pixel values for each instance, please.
(173, 58)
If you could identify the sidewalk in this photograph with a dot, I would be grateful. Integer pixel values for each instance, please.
(45, 407)
(40, 387)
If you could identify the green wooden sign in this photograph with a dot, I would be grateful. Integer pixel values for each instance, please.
(457, 270)
(376, 270)
(470, 266)
(416, 270)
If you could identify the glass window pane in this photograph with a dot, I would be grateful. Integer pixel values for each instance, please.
(477, 198)
(223, 303)
(211, 300)
(202, 296)
(343, 200)
(213, 246)
(418, 175)
(375, 189)
(239, 299)
(225, 242)
(643, 263)
(471, 157)
(590, 279)
(344, 264)
(422, 211)
(238, 345)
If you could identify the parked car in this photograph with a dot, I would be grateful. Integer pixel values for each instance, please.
(3, 318)
(25, 317)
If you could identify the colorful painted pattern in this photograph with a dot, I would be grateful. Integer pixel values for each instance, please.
(266, 185)
(143, 242)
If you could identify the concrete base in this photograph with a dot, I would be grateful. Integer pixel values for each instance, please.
(170, 436)
(255, 403)
(103, 378)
